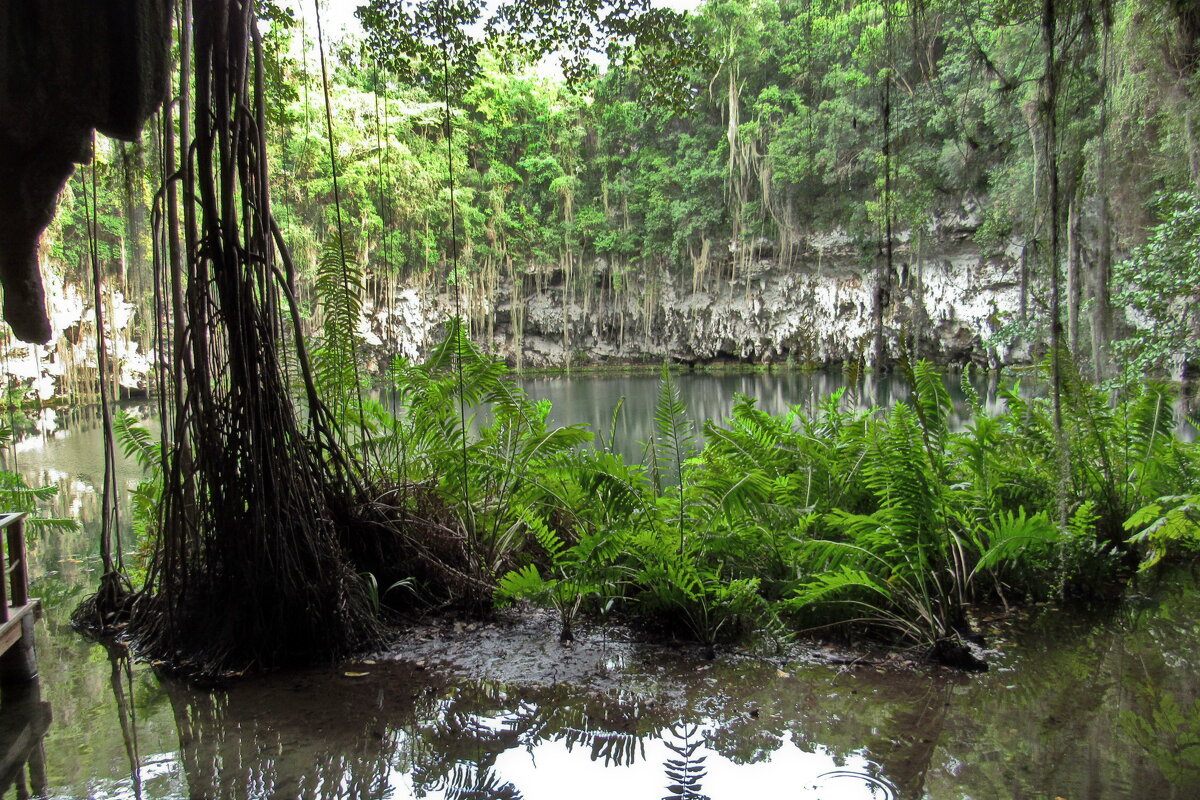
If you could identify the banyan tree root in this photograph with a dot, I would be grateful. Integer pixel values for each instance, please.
(107, 611)
(250, 572)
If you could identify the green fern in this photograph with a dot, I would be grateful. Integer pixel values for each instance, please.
(136, 442)
(866, 599)
(576, 571)
(1171, 523)
(675, 440)
(17, 496)
(1010, 534)
(336, 361)
(931, 401)
(674, 447)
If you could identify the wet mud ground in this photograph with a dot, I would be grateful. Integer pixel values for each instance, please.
(520, 646)
(1094, 705)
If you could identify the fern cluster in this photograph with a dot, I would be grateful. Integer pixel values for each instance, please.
(887, 521)
(883, 522)
(869, 520)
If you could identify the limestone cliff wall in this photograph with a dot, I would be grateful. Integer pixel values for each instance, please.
(66, 366)
(947, 298)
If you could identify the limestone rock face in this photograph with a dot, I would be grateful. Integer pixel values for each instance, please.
(947, 298)
(67, 67)
(813, 309)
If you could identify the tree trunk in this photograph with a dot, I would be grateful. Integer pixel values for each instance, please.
(1025, 282)
(883, 280)
(1074, 276)
(133, 207)
(1102, 268)
(1050, 112)
(1193, 143)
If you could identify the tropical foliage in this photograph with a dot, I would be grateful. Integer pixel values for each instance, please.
(803, 119)
(877, 120)
(16, 495)
(887, 523)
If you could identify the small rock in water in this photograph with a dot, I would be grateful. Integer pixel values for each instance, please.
(960, 653)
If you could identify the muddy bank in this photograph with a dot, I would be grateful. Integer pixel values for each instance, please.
(520, 647)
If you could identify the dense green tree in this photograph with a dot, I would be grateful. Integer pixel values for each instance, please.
(790, 118)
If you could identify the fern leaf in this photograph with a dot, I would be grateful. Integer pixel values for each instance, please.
(521, 583)
(136, 442)
(1011, 534)
(675, 442)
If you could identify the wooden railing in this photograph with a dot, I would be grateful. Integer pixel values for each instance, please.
(18, 611)
(14, 579)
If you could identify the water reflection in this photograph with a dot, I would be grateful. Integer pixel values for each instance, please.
(24, 720)
(396, 736)
(1103, 705)
(686, 770)
(710, 397)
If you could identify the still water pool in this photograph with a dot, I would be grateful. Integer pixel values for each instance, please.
(1095, 705)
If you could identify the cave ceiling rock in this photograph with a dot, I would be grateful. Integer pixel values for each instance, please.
(67, 67)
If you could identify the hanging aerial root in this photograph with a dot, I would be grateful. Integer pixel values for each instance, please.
(251, 572)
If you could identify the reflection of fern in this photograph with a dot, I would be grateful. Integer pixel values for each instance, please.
(686, 772)
(16, 495)
(575, 726)
(473, 782)
(1169, 733)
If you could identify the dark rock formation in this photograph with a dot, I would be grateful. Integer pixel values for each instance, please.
(959, 653)
(67, 67)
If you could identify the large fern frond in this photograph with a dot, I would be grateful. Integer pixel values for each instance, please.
(675, 441)
(136, 441)
(336, 359)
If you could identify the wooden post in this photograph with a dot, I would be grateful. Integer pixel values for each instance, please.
(24, 720)
(3, 589)
(19, 663)
(17, 562)
(18, 659)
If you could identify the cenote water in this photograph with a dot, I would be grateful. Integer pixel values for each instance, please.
(1081, 705)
